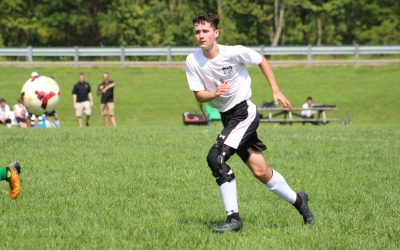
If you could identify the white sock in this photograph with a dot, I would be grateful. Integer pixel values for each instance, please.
(47, 124)
(57, 123)
(229, 197)
(279, 186)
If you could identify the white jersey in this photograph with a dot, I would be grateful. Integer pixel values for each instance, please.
(20, 109)
(5, 112)
(206, 74)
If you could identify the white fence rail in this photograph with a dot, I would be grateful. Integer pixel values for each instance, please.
(76, 52)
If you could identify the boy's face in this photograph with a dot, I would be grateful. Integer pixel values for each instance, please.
(205, 35)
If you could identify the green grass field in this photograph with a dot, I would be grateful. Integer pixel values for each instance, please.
(146, 184)
(160, 95)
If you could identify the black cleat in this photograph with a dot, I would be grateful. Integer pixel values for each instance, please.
(232, 225)
(16, 166)
(308, 217)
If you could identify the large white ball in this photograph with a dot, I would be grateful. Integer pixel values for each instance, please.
(40, 95)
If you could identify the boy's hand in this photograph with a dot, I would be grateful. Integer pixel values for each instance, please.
(280, 97)
(223, 89)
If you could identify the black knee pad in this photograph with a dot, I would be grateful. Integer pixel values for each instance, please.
(216, 161)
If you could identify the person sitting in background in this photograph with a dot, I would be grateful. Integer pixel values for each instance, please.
(5, 113)
(20, 114)
(306, 112)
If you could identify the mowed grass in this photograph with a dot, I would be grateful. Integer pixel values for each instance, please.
(146, 184)
(148, 187)
(145, 96)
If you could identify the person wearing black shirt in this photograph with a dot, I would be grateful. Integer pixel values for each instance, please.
(106, 89)
(83, 100)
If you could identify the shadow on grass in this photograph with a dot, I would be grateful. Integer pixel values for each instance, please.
(249, 221)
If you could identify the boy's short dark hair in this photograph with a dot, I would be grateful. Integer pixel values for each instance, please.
(309, 98)
(2, 100)
(202, 18)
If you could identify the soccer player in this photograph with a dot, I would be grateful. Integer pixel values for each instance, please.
(217, 75)
(11, 175)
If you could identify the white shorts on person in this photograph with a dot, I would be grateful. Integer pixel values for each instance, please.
(83, 107)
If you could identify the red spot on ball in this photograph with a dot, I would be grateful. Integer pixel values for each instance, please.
(44, 97)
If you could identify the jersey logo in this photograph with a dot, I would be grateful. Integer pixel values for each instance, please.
(222, 136)
(227, 69)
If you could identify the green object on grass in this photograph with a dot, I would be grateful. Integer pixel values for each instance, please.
(213, 113)
(3, 173)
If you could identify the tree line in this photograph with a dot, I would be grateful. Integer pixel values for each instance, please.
(168, 22)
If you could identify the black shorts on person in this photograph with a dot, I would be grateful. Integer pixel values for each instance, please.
(20, 120)
(52, 113)
(8, 121)
(240, 129)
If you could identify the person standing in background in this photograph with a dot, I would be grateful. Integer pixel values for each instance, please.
(106, 89)
(83, 100)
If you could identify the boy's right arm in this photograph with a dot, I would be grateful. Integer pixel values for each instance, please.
(206, 96)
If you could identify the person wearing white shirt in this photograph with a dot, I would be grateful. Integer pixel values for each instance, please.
(306, 111)
(20, 114)
(217, 74)
(5, 113)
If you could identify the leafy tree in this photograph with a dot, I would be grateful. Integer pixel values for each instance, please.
(168, 22)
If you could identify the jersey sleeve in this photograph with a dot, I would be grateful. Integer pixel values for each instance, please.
(195, 83)
(89, 89)
(74, 92)
(247, 56)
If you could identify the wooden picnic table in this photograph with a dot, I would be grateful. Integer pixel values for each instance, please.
(290, 116)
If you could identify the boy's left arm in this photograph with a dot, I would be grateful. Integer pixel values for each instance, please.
(269, 75)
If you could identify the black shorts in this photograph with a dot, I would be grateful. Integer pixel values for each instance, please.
(52, 113)
(7, 121)
(240, 129)
(20, 120)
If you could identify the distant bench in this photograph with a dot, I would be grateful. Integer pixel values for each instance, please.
(284, 116)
